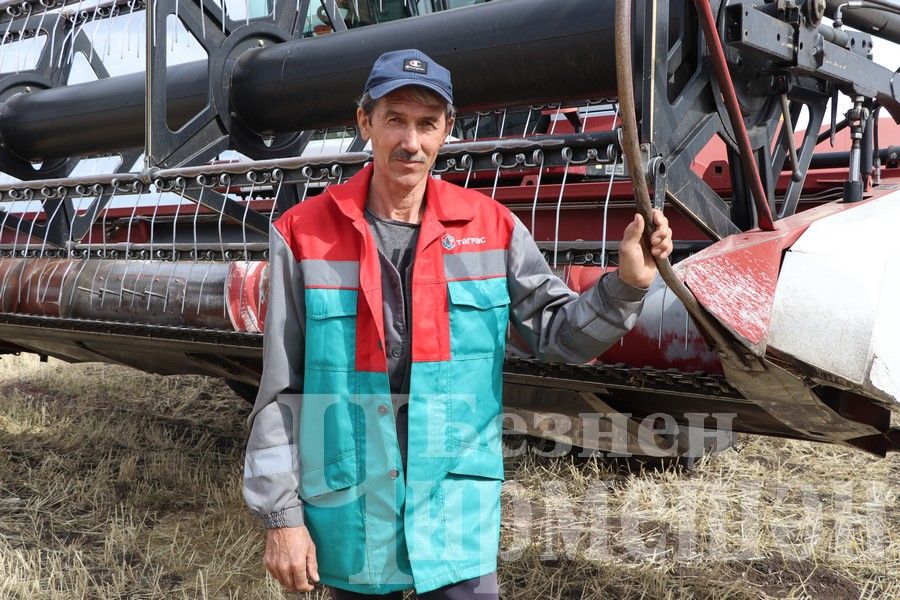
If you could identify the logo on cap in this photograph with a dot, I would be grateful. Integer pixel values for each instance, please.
(414, 65)
(448, 241)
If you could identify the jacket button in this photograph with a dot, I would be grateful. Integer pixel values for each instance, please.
(382, 409)
(397, 351)
(393, 473)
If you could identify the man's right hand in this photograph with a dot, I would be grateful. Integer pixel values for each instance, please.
(290, 558)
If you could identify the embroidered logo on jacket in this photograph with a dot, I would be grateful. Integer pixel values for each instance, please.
(449, 242)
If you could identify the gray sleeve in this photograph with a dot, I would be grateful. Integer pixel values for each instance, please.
(271, 466)
(557, 323)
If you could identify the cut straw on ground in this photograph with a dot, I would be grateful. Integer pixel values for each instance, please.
(120, 484)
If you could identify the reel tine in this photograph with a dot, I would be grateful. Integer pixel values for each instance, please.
(241, 302)
(25, 251)
(62, 197)
(131, 4)
(195, 255)
(175, 256)
(555, 118)
(662, 318)
(612, 178)
(122, 289)
(8, 273)
(537, 191)
(20, 56)
(5, 36)
(40, 26)
(148, 257)
(562, 189)
(87, 255)
(76, 29)
(277, 174)
(93, 34)
(103, 255)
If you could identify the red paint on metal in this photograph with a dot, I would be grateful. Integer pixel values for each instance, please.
(246, 295)
(735, 279)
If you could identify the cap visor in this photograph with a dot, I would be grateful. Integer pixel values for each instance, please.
(382, 89)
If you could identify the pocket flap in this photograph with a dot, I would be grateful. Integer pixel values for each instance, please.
(478, 462)
(338, 474)
(324, 304)
(480, 293)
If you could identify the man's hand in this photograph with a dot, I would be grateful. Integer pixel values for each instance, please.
(636, 265)
(290, 558)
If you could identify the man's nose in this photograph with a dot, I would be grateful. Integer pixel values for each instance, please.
(410, 141)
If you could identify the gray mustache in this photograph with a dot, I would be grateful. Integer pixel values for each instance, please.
(408, 156)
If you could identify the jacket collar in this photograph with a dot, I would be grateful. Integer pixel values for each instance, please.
(441, 199)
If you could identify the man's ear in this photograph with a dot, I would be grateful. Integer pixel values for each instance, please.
(363, 123)
(448, 128)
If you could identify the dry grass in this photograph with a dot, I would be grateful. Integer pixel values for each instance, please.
(119, 484)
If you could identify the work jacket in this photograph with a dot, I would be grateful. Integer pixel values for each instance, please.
(323, 448)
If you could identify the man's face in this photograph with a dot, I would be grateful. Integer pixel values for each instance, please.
(406, 136)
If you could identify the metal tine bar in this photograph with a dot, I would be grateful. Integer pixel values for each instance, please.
(453, 149)
(262, 165)
(86, 180)
(14, 9)
(122, 289)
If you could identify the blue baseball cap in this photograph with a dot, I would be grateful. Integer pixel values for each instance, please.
(401, 68)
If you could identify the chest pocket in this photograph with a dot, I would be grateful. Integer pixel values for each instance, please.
(479, 312)
(330, 328)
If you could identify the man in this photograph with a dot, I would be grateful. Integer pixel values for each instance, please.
(389, 298)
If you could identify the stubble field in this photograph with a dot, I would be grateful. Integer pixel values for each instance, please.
(119, 484)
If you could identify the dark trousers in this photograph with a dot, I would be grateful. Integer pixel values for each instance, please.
(479, 588)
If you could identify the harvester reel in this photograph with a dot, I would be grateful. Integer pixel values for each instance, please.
(172, 253)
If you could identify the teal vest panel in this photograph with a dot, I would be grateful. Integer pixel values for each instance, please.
(377, 529)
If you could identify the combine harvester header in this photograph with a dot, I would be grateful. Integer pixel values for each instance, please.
(136, 206)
